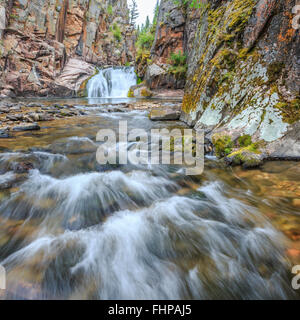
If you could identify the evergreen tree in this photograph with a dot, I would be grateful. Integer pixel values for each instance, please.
(147, 23)
(156, 11)
(133, 12)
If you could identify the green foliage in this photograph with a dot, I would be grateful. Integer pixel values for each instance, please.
(133, 8)
(178, 64)
(110, 10)
(139, 80)
(117, 32)
(145, 40)
(193, 4)
(223, 146)
(245, 140)
(178, 59)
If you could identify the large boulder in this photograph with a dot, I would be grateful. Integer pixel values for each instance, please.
(75, 74)
(248, 159)
(140, 91)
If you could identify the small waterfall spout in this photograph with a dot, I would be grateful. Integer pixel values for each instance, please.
(112, 83)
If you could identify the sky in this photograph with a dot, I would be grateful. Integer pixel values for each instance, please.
(146, 8)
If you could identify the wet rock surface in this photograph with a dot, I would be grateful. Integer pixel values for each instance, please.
(164, 114)
(247, 159)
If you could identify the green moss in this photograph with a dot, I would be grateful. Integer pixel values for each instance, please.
(246, 156)
(290, 111)
(130, 94)
(82, 90)
(245, 140)
(223, 145)
(225, 25)
(243, 53)
(146, 93)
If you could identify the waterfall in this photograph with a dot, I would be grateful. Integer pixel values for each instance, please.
(112, 83)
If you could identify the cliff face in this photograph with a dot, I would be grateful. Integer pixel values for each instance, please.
(174, 34)
(244, 73)
(42, 37)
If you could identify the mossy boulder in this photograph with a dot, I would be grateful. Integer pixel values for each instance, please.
(241, 151)
(82, 92)
(246, 157)
(130, 93)
(140, 91)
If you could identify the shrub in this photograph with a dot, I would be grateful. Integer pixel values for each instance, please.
(110, 10)
(178, 59)
(117, 33)
(178, 64)
(145, 40)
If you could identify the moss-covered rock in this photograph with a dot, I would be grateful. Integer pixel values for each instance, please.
(139, 91)
(245, 140)
(245, 157)
(223, 145)
(242, 76)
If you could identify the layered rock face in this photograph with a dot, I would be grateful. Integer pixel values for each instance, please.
(174, 33)
(42, 37)
(243, 75)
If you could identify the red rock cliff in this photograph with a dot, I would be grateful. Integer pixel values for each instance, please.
(39, 37)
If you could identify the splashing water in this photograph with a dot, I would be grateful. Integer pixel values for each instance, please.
(72, 230)
(112, 83)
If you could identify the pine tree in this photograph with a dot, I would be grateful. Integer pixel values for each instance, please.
(133, 12)
(147, 24)
(156, 12)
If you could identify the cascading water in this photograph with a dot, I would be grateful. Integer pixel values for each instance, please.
(112, 82)
(72, 229)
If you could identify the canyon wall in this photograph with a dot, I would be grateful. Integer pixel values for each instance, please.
(175, 32)
(244, 73)
(50, 47)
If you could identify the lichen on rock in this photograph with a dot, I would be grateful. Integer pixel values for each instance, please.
(239, 81)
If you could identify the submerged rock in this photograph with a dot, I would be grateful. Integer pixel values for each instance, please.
(164, 114)
(23, 167)
(4, 133)
(74, 145)
(27, 127)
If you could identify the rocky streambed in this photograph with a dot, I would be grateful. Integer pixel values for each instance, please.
(71, 228)
(30, 116)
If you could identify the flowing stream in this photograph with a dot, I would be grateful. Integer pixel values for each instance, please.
(73, 229)
(113, 82)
